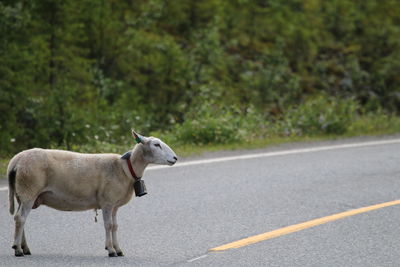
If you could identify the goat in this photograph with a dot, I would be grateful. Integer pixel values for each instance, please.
(70, 181)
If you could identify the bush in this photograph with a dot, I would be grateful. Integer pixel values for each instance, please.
(208, 122)
(321, 115)
(211, 120)
(378, 122)
(209, 129)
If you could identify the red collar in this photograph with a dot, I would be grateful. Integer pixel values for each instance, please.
(131, 169)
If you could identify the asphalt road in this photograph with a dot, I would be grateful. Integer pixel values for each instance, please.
(192, 208)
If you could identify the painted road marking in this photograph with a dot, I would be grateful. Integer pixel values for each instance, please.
(301, 226)
(271, 154)
(197, 258)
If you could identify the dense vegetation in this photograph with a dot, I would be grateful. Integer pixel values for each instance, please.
(208, 71)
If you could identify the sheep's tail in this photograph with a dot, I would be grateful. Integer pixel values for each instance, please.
(12, 174)
(11, 189)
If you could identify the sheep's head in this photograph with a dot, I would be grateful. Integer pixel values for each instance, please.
(155, 151)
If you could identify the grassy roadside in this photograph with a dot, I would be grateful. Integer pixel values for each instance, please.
(3, 167)
(362, 127)
(367, 125)
(191, 150)
(317, 118)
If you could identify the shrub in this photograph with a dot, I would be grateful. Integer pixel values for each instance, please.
(321, 115)
(377, 122)
(209, 128)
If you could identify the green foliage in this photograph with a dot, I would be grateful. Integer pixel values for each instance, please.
(377, 122)
(321, 115)
(80, 74)
(207, 122)
(209, 129)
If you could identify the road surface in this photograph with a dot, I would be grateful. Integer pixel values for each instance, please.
(199, 205)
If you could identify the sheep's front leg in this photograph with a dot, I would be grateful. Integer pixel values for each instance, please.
(114, 233)
(24, 245)
(108, 226)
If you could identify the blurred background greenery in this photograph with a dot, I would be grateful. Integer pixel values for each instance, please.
(80, 74)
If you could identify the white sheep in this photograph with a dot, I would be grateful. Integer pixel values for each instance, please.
(70, 181)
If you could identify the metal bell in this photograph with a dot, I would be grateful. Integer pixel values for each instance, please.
(140, 188)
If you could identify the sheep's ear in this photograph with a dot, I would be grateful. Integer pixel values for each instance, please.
(139, 138)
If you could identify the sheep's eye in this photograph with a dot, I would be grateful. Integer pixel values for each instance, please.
(158, 145)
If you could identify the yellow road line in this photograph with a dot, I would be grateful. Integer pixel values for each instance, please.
(301, 226)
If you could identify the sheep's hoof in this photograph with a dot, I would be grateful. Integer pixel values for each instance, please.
(19, 253)
(112, 254)
(26, 250)
(121, 254)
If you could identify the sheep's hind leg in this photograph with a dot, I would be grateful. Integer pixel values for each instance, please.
(20, 218)
(108, 226)
(114, 233)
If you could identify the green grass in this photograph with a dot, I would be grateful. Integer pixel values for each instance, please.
(3, 167)
(191, 150)
(366, 125)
